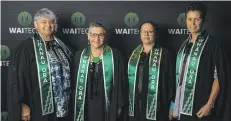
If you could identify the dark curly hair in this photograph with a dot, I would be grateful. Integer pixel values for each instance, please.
(197, 7)
(154, 25)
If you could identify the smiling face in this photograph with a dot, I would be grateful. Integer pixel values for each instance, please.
(194, 21)
(45, 26)
(96, 37)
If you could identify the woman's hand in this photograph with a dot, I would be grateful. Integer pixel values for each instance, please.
(170, 116)
(25, 116)
(204, 111)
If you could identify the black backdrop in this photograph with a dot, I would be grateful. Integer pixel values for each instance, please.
(122, 20)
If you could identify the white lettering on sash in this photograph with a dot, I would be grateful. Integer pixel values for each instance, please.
(40, 53)
(80, 88)
(156, 52)
(44, 75)
(85, 57)
(39, 43)
(193, 60)
(154, 67)
(191, 72)
(197, 49)
(198, 44)
(153, 84)
(79, 98)
(83, 66)
(200, 40)
(81, 80)
(44, 70)
(82, 71)
(82, 75)
(80, 92)
(40, 48)
(84, 61)
(155, 59)
(42, 61)
(195, 53)
(45, 80)
(154, 62)
(42, 58)
(153, 77)
(152, 87)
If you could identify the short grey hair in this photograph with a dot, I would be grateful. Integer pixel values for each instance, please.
(96, 24)
(45, 12)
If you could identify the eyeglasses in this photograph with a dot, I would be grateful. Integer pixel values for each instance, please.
(150, 32)
(94, 35)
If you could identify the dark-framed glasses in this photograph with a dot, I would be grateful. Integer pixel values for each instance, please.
(150, 32)
(94, 35)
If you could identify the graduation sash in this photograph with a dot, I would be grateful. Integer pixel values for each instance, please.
(191, 72)
(44, 75)
(108, 75)
(153, 81)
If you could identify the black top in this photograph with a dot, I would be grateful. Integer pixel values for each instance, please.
(212, 55)
(23, 85)
(166, 88)
(95, 100)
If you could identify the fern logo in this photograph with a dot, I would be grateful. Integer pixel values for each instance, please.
(24, 18)
(5, 52)
(78, 19)
(4, 116)
(181, 20)
(131, 19)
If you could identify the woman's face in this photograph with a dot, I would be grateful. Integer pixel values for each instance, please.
(147, 33)
(45, 26)
(194, 21)
(96, 37)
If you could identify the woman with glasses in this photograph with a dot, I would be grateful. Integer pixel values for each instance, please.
(97, 77)
(151, 78)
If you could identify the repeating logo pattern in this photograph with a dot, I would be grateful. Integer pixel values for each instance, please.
(131, 19)
(4, 116)
(24, 18)
(181, 20)
(5, 52)
(78, 19)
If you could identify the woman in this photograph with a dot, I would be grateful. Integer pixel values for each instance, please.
(150, 75)
(39, 78)
(98, 75)
(201, 72)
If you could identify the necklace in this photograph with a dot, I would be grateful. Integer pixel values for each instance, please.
(95, 59)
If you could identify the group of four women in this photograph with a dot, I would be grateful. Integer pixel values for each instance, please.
(47, 83)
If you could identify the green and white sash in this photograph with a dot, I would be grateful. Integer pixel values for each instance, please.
(191, 72)
(44, 75)
(108, 73)
(154, 64)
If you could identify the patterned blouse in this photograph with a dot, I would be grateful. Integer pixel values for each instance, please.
(60, 72)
